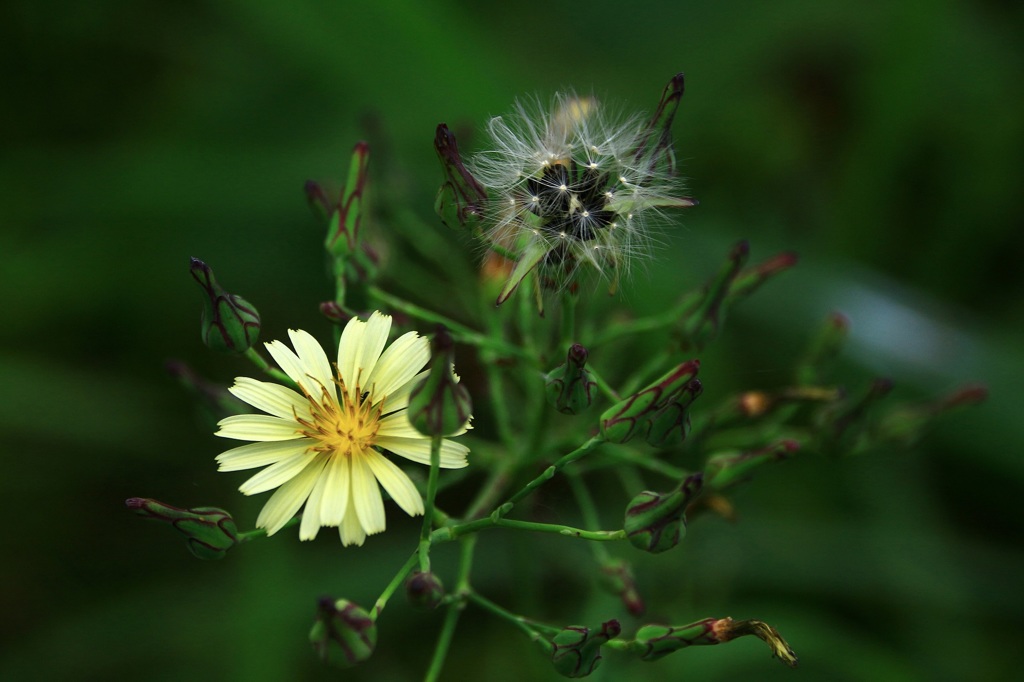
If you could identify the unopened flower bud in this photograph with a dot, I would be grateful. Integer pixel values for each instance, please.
(570, 388)
(461, 199)
(726, 469)
(345, 217)
(702, 323)
(654, 641)
(844, 426)
(577, 649)
(823, 349)
(210, 532)
(656, 522)
(336, 313)
(905, 425)
(424, 590)
(440, 405)
(617, 578)
(343, 634)
(659, 412)
(230, 324)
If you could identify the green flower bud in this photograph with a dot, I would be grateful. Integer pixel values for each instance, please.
(345, 217)
(658, 412)
(617, 578)
(570, 389)
(424, 590)
(823, 349)
(844, 427)
(704, 319)
(726, 469)
(577, 649)
(343, 635)
(656, 522)
(440, 405)
(210, 532)
(461, 199)
(905, 425)
(230, 324)
(654, 641)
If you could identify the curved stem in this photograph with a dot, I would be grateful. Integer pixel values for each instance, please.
(548, 474)
(399, 578)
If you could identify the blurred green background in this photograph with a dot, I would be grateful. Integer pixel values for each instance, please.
(881, 141)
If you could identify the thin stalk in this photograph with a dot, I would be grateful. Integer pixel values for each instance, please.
(428, 515)
(265, 367)
(399, 578)
(548, 474)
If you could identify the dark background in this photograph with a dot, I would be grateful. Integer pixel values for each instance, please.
(881, 141)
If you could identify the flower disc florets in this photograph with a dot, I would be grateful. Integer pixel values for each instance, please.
(571, 185)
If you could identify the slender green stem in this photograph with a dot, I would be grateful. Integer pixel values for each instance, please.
(451, 617)
(265, 367)
(603, 385)
(399, 578)
(460, 530)
(614, 456)
(459, 331)
(548, 474)
(444, 640)
(588, 510)
(646, 324)
(568, 327)
(637, 378)
(491, 490)
(533, 629)
(250, 535)
(428, 515)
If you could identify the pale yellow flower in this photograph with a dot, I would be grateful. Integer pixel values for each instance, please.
(327, 445)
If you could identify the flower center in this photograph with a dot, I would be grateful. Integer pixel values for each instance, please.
(344, 428)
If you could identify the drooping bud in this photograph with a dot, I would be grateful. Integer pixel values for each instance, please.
(229, 324)
(659, 412)
(822, 351)
(617, 578)
(461, 199)
(577, 649)
(570, 388)
(343, 635)
(654, 641)
(210, 532)
(656, 522)
(424, 590)
(905, 425)
(725, 469)
(440, 405)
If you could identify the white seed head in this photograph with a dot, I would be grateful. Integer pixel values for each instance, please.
(566, 178)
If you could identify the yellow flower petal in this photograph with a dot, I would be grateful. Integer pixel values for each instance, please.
(284, 503)
(273, 399)
(366, 497)
(258, 427)
(398, 484)
(453, 455)
(261, 454)
(278, 474)
(399, 364)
